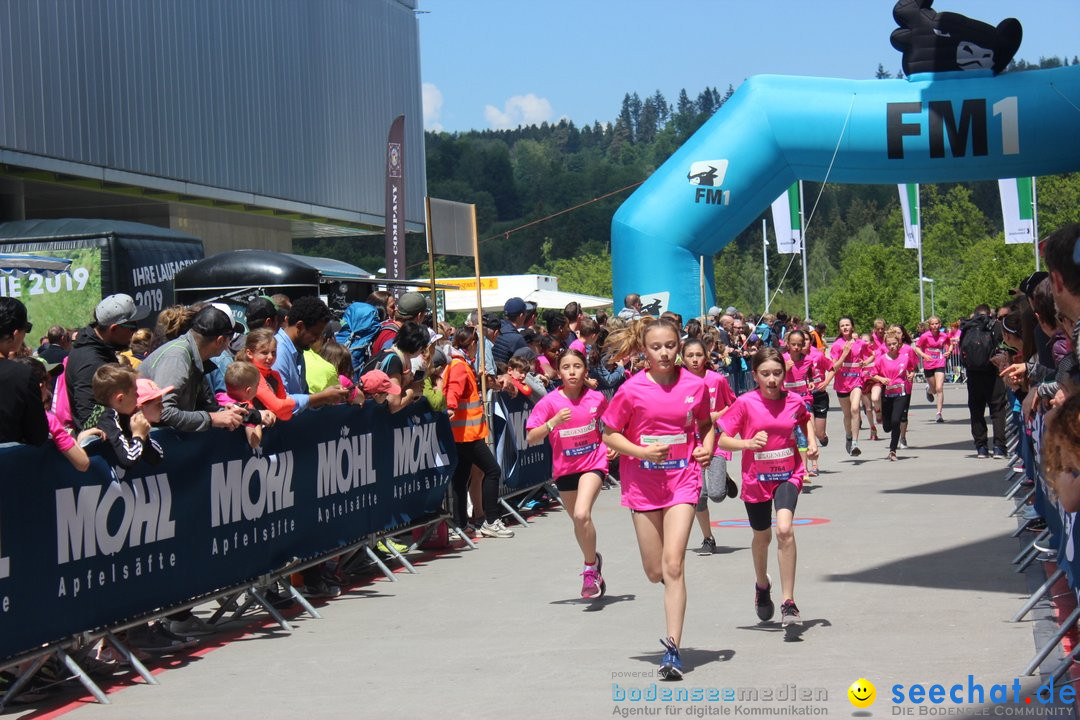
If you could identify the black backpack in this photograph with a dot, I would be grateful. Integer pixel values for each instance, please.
(979, 341)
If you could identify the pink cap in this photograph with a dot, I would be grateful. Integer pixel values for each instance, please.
(148, 390)
(377, 381)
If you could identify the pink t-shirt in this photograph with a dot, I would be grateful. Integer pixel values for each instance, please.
(779, 461)
(576, 445)
(647, 413)
(580, 347)
(61, 438)
(878, 344)
(896, 371)
(934, 346)
(849, 373)
(799, 378)
(820, 365)
(720, 396)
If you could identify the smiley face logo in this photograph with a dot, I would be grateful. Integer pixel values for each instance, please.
(862, 693)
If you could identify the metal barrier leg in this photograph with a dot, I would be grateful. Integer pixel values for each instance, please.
(255, 593)
(461, 534)
(1032, 558)
(400, 558)
(1063, 668)
(133, 661)
(1022, 504)
(1048, 648)
(1038, 538)
(510, 509)
(21, 681)
(80, 674)
(303, 602)
(554, 492)
(379, 563)
(1038, 595)
(1011, 492)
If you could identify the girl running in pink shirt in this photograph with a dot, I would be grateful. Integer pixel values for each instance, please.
(570, 419)
(801, 377)
(654, 422)
(850, 355)
(766, 420)
(933, 347)
(717, 486)
(895, 370)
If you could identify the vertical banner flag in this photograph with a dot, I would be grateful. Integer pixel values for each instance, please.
(787, 222)
(1017, 208)
(909, 208)
(395, 200)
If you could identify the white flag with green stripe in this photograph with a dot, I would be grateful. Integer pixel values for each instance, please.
(909, 208)
(1018, 209)
(787, 221)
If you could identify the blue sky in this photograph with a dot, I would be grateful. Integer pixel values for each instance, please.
(501, 63)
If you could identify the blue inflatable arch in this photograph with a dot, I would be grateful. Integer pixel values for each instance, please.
(932, 127)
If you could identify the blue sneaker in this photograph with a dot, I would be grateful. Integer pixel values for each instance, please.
(671, 665)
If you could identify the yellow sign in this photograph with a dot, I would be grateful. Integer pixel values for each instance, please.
(470, 283)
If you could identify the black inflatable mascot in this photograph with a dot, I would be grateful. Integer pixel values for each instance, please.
(939, 42)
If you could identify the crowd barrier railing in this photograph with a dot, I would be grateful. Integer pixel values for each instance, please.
(1055, 544)
(85, 554)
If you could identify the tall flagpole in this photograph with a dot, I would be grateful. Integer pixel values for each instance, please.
(918, 216)
(802, 240)
(765, 261)
(1035, 223)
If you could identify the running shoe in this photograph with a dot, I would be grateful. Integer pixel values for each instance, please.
(671, 665)
(929, 394)
(939, 418)
(321, 589)
(789, 612)
(855, 451)
(731, 488)
(763, 601)
(873, 434)
(823, 441)
(982, 453)
(903, 443)
(812, 472)
(847, 446)
(892, 456)
(708, 546)
(592, 582)
(496, 530)
(999, 452)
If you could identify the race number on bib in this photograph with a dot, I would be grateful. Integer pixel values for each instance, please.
(677, 446)
(896, 390)
(580, 440)
(775, 465)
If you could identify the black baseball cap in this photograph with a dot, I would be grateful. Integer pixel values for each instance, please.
(259, 311)
(211, 323)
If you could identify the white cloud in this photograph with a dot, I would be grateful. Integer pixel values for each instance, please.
(519, 110)
(432, 101)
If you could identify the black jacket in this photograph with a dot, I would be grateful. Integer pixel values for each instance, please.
(507, 342)
(22, 414)
(87, 354)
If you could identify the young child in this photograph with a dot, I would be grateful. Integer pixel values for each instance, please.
(517, 368)
(434, 382)
(376, 385)
(260, 349)
(1061, 453)
(339, 356)
(126, 429)
(69, 447)
(241, 388)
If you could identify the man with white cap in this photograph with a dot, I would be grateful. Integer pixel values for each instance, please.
(115, 320)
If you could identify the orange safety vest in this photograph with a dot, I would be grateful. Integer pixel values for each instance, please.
(467, 420)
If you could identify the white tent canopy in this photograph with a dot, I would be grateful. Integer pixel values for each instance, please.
(496, 290)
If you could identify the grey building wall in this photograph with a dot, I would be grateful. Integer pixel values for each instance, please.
(277, 103)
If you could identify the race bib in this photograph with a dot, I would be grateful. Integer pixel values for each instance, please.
(677, 445)
(895, 390)
(774, 465)
(851, 369)
(580, 440)
(796, 385)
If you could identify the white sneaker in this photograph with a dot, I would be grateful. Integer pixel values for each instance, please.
(496, 530)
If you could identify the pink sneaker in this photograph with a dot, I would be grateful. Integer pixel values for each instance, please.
(592, 583)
